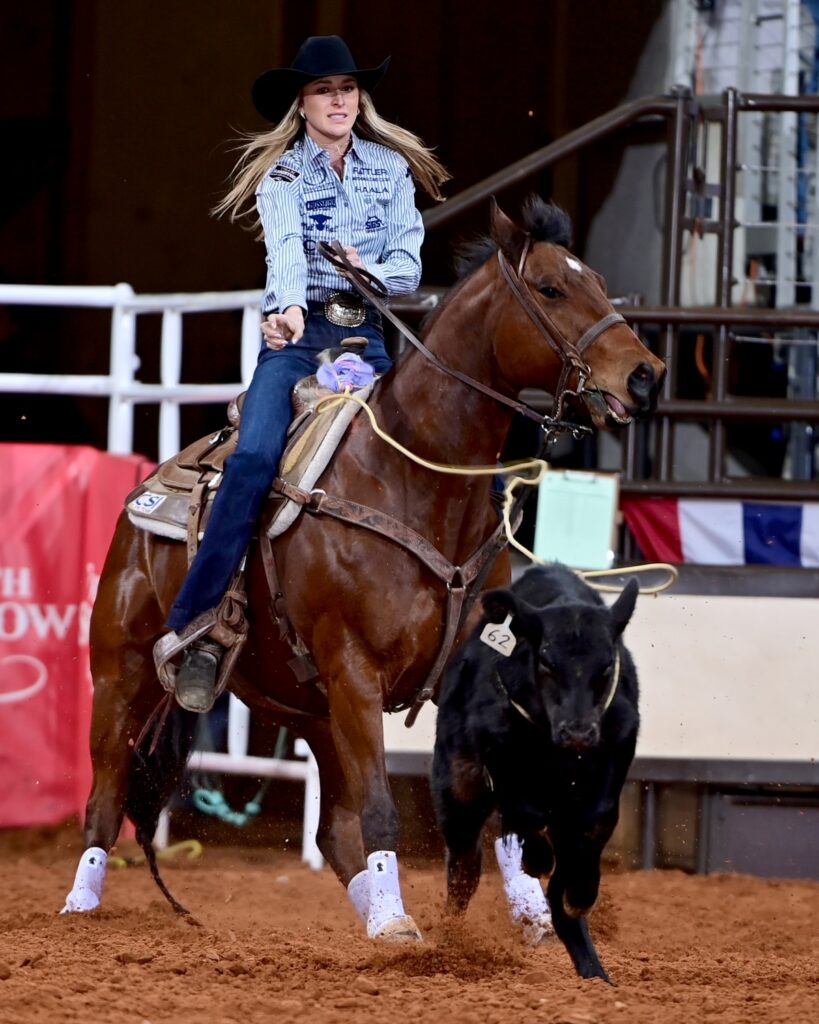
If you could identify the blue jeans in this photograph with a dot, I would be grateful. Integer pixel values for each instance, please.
(251, 469)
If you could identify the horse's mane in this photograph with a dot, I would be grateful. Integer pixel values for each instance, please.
(543, 221)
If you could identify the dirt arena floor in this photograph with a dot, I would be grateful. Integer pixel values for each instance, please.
(280, 943)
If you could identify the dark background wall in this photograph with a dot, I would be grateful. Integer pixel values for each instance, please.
(118, 119)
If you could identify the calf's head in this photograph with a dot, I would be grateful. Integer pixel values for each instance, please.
(565, 669)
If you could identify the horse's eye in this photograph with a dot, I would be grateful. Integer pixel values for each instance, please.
(552, 293)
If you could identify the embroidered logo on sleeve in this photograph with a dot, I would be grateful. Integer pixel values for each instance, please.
(281, 172)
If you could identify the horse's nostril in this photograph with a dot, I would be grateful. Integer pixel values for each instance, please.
(641, 381)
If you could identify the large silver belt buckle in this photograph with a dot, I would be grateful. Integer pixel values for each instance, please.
(344, 309)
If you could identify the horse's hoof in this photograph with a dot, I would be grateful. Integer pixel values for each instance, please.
(398, 929)
(536, 930)
(80, 901)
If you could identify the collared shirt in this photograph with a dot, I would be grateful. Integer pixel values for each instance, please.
(301, 201)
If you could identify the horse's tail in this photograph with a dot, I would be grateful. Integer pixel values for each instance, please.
(156, 770)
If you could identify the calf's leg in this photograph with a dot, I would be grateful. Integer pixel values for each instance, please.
(572, 929)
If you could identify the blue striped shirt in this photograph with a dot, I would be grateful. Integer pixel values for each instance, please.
(301, 201)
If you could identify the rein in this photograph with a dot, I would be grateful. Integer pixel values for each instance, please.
(375, 292)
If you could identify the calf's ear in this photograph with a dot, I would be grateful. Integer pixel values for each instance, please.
(526, 623)
(497, 604)
(623, 608)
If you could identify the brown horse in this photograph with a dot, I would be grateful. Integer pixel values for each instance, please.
(527, 314)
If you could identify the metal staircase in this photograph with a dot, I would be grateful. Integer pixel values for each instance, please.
(762, 47)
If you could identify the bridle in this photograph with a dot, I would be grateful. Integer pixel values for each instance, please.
(570, 353)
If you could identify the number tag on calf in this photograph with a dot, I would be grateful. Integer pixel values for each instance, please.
(499, 636)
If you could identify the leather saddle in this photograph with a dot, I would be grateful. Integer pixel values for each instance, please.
(176, 499)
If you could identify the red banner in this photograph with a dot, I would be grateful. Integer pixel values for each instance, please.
(60, 505)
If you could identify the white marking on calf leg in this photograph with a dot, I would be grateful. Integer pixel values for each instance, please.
(528, 905)
(386, 917)
(88, 881)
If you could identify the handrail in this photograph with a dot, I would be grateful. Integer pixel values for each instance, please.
(747, 316)
(120, 385)
(568, 144)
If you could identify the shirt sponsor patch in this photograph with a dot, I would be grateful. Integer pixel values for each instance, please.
(373, 223)
(321, 220)
(326, 203)
(281, 172)
(370, 173)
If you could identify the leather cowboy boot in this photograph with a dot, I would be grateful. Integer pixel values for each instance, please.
(196, 678)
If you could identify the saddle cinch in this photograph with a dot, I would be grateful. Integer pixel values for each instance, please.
(175, 500)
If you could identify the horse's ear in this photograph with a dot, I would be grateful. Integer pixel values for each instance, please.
(508, 236)
(623, 607)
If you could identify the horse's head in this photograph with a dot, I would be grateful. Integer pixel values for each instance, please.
(558, 331)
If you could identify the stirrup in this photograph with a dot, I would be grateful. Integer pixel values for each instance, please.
(196, 678)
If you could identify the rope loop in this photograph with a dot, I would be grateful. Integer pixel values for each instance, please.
(538, 468)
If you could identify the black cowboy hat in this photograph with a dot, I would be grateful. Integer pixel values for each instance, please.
(319, 57)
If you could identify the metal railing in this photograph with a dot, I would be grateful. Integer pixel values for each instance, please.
(121, 384)
(686, 181)
(682, 115)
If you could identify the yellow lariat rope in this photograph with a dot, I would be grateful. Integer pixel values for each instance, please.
(539, 469)
(191, 848)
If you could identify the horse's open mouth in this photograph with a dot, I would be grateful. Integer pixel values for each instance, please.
(606, 409)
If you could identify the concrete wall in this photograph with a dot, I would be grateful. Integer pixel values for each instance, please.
(720, 677)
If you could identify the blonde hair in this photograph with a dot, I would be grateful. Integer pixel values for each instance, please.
(260, 150)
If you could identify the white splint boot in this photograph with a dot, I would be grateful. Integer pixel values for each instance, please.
(386, 917)
(358, 889)
(527, 901)
(88, 881)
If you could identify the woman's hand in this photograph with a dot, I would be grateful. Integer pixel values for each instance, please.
(351, 253)
(280, 328)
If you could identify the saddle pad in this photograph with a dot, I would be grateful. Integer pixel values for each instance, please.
(162, 503)
(309, 453)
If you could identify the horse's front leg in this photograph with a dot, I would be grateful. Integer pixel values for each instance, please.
(118, 716)
(356, 711)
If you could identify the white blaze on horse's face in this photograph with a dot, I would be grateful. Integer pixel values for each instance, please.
(574, 264)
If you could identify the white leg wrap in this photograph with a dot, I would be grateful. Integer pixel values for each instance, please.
(527, 901)
(88, 881)
(358, 890)
(385, 891)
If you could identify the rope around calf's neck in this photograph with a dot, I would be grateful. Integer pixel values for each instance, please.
(540, 468)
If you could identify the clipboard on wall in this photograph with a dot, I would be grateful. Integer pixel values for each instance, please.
(577, 518)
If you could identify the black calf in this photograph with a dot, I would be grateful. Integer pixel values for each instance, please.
(544, 734)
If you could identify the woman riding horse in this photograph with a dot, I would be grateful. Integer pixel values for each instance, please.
(377, 569)
(314, 180)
